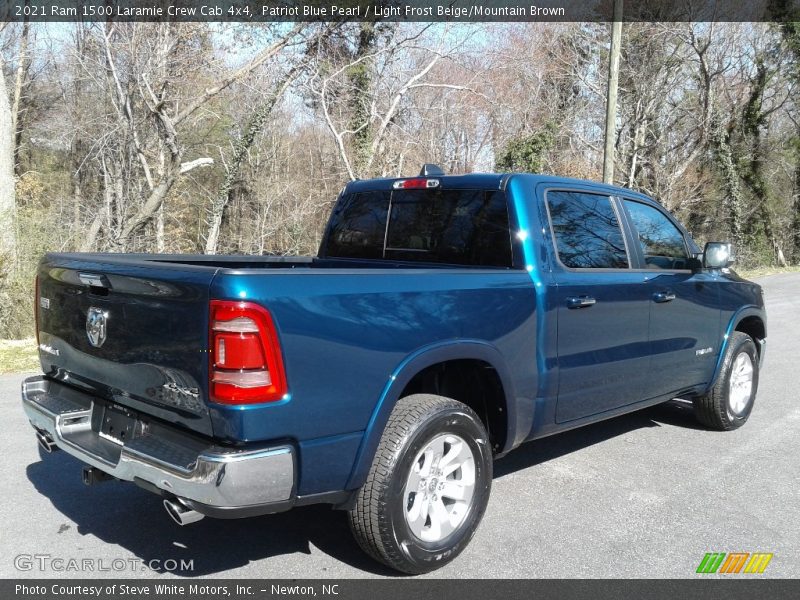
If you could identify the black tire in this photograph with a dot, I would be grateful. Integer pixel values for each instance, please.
(378, 520)
(715, 409)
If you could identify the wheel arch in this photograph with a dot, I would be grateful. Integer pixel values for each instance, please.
(750, 320)
(412, 366)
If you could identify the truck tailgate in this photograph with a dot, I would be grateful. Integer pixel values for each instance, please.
(131, 331)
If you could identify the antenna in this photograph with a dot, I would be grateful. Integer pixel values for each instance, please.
(431, 170)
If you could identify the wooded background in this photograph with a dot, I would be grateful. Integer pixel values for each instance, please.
(209, 138)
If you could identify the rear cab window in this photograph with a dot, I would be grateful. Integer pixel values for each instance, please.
(447, 226)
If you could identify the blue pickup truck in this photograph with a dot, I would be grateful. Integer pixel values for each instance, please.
(445, 321)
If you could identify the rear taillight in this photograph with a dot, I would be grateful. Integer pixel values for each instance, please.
(246, 363)
(36, 307)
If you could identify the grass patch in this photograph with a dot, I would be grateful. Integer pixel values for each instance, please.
(765, 271)
(19, 356)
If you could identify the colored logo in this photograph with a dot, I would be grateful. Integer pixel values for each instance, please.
(734, 562)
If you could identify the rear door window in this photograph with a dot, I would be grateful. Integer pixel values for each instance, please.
(463, 227)
(586, 230)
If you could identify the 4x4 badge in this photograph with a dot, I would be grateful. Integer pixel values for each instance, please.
(96, 329)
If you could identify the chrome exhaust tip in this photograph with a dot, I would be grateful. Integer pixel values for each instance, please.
(45, 441)
(181, 513)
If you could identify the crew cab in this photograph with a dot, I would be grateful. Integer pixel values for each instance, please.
(445, 321)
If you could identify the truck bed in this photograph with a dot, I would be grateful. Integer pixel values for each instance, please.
(344, 327)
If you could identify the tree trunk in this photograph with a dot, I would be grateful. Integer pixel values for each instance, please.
(734, 200)
(148, 210)
(752, 120)
(8, 210)
(769, 233)
(242, 147)
(796, 213)
(22, 74)
(360, 80)
(160, 243)
(77, 149)
(611, 97)
(90, 239)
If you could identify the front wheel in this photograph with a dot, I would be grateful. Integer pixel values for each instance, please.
(730, 401)
(428, 485)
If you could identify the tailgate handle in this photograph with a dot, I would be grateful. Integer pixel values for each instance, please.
(93, 280)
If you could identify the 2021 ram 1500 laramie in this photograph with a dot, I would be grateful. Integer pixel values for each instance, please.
(445, 321)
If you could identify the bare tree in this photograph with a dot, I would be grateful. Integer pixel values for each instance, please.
(402, 66)
(23, 64)
(171, 137)
(8, 224)
(143, 97)
(242, 146)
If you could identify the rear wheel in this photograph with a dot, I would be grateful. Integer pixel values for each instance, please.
(730, 401)
(428, 485)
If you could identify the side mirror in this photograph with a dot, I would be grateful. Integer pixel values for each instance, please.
(718, 255)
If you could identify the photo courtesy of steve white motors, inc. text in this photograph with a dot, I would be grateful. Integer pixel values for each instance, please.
(195, 590)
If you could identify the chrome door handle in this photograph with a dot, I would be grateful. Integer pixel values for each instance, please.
(580, 301)
(664, 296)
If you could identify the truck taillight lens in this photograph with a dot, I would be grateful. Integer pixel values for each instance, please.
(36, 302)
(246, 363)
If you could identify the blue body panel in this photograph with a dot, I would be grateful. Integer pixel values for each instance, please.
(351, 340)
(353, 334)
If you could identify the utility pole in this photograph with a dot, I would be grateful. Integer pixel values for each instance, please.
(611, 96)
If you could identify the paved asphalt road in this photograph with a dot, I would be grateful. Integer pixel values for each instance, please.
(645, 495)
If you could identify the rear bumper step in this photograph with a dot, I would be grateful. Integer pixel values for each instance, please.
(203, 475)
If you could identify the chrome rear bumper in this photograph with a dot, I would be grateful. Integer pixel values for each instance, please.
(211, 476)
